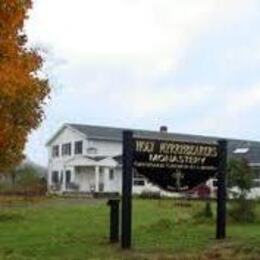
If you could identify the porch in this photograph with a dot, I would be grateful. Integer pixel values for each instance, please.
(91, 176)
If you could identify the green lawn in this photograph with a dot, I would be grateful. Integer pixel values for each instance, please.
(70, 229)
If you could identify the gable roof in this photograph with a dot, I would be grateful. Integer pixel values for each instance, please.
(99, 132)
(57, 133)
(115, 133)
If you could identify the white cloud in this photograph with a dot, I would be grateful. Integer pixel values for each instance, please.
(232, 113)
(153, 34)
(143, 101)
(241, 58)
(243, 100)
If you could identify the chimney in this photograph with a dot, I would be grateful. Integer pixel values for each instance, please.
(163, 129)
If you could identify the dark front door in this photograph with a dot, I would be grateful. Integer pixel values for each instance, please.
(68, 178)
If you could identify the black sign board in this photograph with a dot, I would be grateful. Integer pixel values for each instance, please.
(174, 165)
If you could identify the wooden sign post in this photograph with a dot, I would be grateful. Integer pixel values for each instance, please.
(126, 227)
(175, 166)
(221, 192)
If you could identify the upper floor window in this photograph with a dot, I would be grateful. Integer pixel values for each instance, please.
(66, 149)
(92, 150)
(78, 147)
(55, 151)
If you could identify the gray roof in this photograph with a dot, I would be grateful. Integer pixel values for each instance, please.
(99, 132)
(118, 159)
(115, 134)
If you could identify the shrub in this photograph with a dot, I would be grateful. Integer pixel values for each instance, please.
(10, 216)
(24, 181)
(205, 213)
(242, 210)
(241, 176)
(150, 195)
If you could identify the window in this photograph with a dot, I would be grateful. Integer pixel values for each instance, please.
(138, 179)
(78, 147)
(55, 177)
(138, 175)
(92, 150)
(55, 151)
(66, 149)
(256, 173)
(138, 182)
(111, 174)
(256, 183)
(241, 150)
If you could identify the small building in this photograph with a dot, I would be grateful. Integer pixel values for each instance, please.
(88, 159)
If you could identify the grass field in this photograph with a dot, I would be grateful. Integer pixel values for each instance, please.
(78, 229)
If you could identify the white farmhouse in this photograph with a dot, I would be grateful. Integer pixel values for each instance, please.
(87, 159)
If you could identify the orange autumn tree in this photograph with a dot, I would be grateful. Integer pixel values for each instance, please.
(22, 90)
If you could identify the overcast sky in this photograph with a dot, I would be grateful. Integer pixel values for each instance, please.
(192, 65)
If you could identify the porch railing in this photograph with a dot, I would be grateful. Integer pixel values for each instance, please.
(72, 186)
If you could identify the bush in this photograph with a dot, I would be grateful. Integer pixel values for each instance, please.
(5, 186)
(240, 175)
(208, 210)
(205, 214)
(24, 181)
(150, 195)
(243, 211)
(5, 217)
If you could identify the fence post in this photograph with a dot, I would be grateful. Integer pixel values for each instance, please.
(114, 219)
